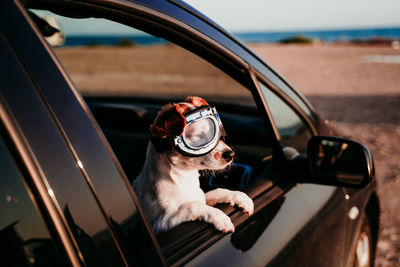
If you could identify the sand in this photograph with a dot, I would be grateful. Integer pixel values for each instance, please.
(347, 84)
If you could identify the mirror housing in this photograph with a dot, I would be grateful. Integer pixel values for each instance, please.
(337, 161)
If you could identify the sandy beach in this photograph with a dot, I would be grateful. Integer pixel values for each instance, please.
(363, 99)
(355, 87)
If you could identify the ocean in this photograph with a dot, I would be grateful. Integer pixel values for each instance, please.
(248, 37)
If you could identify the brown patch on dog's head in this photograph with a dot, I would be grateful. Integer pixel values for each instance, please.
(196, 101)
(170, 121)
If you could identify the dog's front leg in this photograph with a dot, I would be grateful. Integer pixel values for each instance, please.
(221, 195)
(192, 211)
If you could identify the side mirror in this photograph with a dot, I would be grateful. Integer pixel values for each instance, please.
(340, 162)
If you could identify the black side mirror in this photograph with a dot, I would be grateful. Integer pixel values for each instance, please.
(340, 162)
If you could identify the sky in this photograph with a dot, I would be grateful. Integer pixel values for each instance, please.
(277, 15)
(274, 15)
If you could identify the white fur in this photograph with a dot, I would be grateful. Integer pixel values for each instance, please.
(170, 192)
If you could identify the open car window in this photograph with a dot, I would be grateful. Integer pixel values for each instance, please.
(126, 75)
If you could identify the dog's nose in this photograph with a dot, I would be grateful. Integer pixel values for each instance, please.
(228, 155)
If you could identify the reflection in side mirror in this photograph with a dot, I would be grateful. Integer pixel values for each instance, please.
(339, 162)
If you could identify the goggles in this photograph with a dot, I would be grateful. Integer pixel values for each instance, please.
(202, 132)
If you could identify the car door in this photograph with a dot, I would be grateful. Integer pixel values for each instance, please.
(290, 219)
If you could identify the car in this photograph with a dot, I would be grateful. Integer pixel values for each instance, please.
(74, 131)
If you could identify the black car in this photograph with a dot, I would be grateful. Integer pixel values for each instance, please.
(74, 131)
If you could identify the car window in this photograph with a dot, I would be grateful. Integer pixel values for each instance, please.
(291, 128)
(127, 76)
(24, 237)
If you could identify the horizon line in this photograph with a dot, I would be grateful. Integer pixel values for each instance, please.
(317, 29)
(144, 34)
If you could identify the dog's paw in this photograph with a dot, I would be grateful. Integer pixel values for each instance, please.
(243, 201)
(222, 222)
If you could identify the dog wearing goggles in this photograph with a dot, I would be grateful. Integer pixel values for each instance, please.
(185, 138)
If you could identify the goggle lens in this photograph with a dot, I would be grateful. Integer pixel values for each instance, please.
(200, 133)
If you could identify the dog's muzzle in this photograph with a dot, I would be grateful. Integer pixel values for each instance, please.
(202, 132)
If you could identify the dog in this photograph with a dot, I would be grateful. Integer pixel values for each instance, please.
(168, 185)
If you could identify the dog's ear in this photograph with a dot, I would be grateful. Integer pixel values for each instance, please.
(169, 122)
(196, 101)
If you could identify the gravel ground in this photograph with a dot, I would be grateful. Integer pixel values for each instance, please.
(362, 98)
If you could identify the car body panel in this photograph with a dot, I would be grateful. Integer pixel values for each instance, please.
(287, 233)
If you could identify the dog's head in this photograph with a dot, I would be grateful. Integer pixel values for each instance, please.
(190, 133)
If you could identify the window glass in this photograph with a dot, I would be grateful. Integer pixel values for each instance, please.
(24, 238)
(292, 129)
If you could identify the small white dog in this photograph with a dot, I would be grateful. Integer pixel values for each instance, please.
(186, 138)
